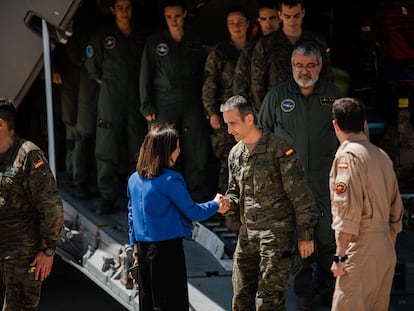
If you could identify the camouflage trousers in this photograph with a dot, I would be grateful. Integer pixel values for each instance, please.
(19, 290)
(222, 142)
(261, 269)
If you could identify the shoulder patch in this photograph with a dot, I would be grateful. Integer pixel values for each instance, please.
(327, 101)
(38, 164)
(162, 49)
(340, 187)
(109, 42)
(89, 51)
(288, 105)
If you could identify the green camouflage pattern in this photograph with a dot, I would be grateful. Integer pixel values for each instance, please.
(31, 210)
(270, 63)
(270, 293)
(23, 291)
(217, 88)
(218, 76)
(242, 74)
(267, 186)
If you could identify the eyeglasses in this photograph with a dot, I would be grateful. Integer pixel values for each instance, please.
(308, 67)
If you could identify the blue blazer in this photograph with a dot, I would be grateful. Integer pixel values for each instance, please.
(161, 208)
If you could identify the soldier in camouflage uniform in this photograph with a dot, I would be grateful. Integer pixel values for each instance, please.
(31, 217)
(269, 22)
(218, 85)
(266, 185)
(299, 110)
(270, 63)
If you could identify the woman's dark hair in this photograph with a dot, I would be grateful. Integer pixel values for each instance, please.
(237, 9)
(156, 150)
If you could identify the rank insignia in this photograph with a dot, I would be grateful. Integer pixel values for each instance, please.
(340, 188)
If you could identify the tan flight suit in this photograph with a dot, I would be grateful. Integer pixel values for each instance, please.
(366, 203)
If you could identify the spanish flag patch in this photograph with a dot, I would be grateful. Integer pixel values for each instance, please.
(289, 152)
(38, 164)
(343, 165)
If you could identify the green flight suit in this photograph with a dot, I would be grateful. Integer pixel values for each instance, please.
(306, 123)
(115, 59)
(170, 87)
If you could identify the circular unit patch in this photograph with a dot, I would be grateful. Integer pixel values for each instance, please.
(109, 42)
(162, 49)
(288, 105)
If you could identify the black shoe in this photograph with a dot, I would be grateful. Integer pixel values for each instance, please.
(306, 303)
(107, 207)
(82, 191)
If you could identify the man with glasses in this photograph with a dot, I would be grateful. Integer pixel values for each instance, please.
(271, 55)
(300, 110)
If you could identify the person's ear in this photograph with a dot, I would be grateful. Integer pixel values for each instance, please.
(335, 125)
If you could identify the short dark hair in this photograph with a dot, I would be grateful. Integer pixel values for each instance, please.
(350, 114)
(8, 112)
(240, 103)
(238, 8)
(155, 152)
(267, 4)
(180, 3)
(291, 3)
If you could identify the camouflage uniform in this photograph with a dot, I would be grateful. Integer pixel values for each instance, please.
(306, 123)
(31, 218)
(268, 188)
(271, 61)
(217, 88)
(242, 73)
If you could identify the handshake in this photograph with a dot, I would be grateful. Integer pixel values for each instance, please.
(223, 203)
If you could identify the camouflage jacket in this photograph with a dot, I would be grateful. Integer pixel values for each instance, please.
(271, 61)
(268, 188)
(31, 211)
(218, 76)
(242, 74)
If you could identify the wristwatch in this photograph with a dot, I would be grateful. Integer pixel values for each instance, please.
(49, 251)
(338, 258)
